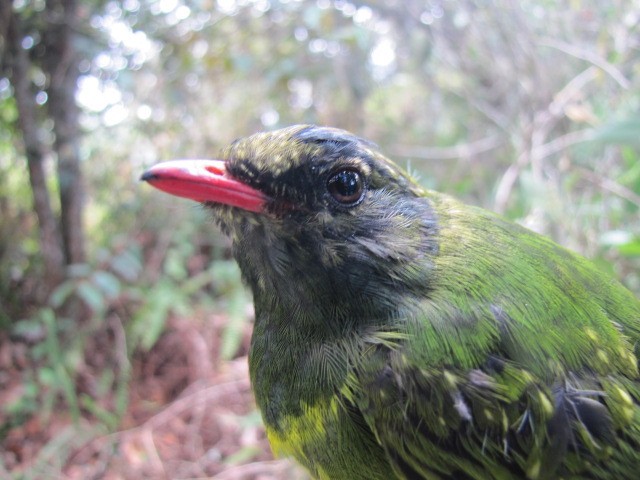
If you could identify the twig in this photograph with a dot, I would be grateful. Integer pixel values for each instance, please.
(193, 400)
(610, 185)
(572, 87)
(152, 451)
(462, 150)
(561, 143)
(174, 409)
(505, 186)
(251, 469)
(543, 124)
(589, 56)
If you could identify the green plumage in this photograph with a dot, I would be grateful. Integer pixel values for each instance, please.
(405, 334)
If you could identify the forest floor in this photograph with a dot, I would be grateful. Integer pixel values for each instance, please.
(188, 416)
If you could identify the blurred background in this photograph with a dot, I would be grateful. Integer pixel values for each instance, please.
(124, 324)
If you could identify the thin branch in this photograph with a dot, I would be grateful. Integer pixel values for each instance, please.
(505, 186)
(462, 150)
(508, 180)
(152, 450)
(190, 401)
(178, 406)
(253, 469)
(610, 185)
(589, 56)
(561, 143)
(573, 86)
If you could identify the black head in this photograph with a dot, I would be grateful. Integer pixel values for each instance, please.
(319, 218)
(338, 214)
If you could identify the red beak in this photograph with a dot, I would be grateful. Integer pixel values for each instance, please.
(204, 181)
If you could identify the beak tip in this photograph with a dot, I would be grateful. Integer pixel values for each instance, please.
(203, 181)
(147, 176)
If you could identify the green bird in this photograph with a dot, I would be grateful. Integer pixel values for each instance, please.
(400, 333)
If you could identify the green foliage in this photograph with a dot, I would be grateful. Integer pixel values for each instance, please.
(60, 343)
(620, 132)
(51, 460)
(56, 374)
(175, 293)
(95, 288)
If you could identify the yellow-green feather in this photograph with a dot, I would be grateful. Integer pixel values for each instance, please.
(413, 336)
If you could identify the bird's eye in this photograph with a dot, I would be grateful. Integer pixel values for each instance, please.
(346, 187)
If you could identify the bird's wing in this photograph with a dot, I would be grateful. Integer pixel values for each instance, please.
(496, 422)
(520, 362)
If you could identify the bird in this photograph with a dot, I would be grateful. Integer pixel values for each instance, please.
(402, 334)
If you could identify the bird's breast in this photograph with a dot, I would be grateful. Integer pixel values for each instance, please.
(305, 413)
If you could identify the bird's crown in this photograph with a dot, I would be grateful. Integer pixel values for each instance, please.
(302, 162)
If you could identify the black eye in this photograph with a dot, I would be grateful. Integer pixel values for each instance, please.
(346, 186)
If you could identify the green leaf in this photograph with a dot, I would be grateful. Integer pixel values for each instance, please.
(622, 132)
(28, 328)
(631, 249)
(78, 270)
(127, 265)
(174, 265)
(47, 376)
(109, 419)
(149, 321)
(243, 455)
(625, 242)
(107, 282)
(62, 293)
(91, 296)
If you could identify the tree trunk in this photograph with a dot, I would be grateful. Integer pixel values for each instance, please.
(50, 243)
(61, 63)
